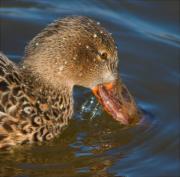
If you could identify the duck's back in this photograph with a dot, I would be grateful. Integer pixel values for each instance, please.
(10, 84)
(11, 91)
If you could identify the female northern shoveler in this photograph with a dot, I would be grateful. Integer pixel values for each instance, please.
(36, 97)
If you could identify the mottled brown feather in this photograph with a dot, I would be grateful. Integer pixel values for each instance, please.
(26, 116)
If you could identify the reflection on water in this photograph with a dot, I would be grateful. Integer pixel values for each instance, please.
(147, 35)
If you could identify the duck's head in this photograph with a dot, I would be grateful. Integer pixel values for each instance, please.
(78, 51)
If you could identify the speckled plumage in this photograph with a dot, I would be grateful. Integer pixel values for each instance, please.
(28, 114)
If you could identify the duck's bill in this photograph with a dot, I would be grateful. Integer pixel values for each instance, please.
(117, 101)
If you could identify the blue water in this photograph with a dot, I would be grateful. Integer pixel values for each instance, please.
(148, 39)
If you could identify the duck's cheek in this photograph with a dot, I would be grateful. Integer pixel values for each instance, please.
(108, 96)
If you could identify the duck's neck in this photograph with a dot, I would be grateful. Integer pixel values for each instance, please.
(54, 106)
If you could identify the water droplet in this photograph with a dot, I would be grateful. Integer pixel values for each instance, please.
(91, 101)
(94, 35)
(80, 74)
(87, 47)
(98, 23)
(61, 68)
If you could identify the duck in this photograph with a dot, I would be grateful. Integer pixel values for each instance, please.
(36, 95)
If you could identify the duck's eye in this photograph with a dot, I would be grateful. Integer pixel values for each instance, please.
(104, 55)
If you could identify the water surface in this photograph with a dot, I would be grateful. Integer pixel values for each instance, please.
(148, 38)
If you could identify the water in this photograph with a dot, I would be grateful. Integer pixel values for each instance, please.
(148, 39)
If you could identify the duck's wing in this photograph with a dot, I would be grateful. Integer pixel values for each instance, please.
(10, 85)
